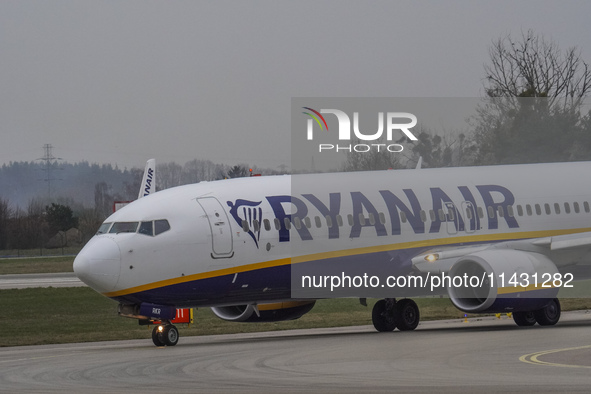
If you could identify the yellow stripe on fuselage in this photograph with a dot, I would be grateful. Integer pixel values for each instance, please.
(520, 289)
(344, 253)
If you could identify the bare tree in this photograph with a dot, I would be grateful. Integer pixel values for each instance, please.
(89, 222)
(103, 199)
(168, 175)
(372, 160)
(5, 216)
(447, 150)
(35, 224)
(536, 67)
(536, 94)
(131, 188)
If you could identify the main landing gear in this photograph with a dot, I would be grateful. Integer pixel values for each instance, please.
(165, 335)
(547, 316)
(387, 314)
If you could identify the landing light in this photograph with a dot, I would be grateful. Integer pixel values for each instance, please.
(160, 328)
(432, 257)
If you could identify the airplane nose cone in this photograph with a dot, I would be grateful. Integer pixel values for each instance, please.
(98, 264)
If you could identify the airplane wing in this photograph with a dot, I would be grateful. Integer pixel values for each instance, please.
(562, 250)
(568, 241)
(527, 272)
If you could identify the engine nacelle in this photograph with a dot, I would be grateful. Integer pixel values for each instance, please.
(505, 265)
(267, 312)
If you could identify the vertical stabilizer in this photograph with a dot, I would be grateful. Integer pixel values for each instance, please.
(148, 185)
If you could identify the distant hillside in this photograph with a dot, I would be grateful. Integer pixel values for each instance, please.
(96, 186)
(20, 182)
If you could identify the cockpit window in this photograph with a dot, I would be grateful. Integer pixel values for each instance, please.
(146, 228)
(161, 226)
(124, 227)
(150, 228)
(104, 228)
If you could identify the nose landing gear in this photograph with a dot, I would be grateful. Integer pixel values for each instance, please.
(165, 335)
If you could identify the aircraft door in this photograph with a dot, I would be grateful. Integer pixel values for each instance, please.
(452, 223)
(461, 220)
(471, 221)
(221, 233)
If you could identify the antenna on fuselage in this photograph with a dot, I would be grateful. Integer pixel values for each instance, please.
(419, 163)
(148, 185)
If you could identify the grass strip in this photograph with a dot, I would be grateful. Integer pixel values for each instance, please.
(36, 265)
(67, 315)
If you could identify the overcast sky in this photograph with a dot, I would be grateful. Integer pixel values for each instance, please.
(123, 81)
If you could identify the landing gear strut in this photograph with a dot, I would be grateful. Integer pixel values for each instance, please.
(165, 335)
(387, 314)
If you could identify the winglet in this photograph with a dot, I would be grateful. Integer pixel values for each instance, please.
(148, 185)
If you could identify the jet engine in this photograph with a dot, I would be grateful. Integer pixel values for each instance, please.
(264, 312)
(509, 281)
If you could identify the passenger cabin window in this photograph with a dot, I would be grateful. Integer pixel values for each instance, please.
(104, 228)
(361, 219)
(576, 207)
(566, 207)
(340, 220)
(510, 211)
(317, 221)
(287, 223)
(528, 209)
(538, 209)
(245, 226)
(267, 224)
(519, 210)
(557, 208)
(586, 206)
(124, 227)
(307, 222)
(547, 209)
(297, 222)
(328, 221)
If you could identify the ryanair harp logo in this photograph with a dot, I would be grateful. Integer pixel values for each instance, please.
(249, 211)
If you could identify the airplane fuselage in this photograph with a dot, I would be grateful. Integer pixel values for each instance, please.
(234, 241)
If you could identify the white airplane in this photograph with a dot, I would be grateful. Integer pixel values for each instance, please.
(263, 248)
